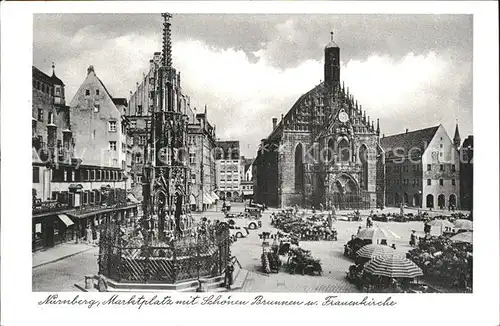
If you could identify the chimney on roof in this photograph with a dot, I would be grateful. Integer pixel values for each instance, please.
(406, 130)
(90, 69)
(151, 64)
(383, 135)
(282, 117)
(275, 122)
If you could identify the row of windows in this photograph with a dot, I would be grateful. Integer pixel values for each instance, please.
(247, 187)
(416, 168)
(41, 117)
(87, 92)
(70, 175)
(416, 182)
(441, 182)
(223, 162)
(88, 197)
(43, 87)
(442, 167)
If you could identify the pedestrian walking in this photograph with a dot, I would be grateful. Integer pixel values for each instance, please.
(427, 228)
(369, 222)
(94, 235)
(359, 229)
(88, 235)
(413, 238)
(321, 207)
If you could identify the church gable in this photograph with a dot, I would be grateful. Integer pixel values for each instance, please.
(347, 117)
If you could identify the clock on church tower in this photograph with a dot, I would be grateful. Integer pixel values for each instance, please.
(343, 116)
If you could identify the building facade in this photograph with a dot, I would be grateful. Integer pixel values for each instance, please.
(201, 143)
(422, 169)
(52, 149)
(247, 182)
(72, 187)
(467, 173)
(325, 150)
(229, 170)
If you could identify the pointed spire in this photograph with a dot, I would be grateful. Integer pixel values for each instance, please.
(456, 138)
(205, 110)
(378, 127)
(368, 121)
(364, 116)
(357, 106)
(53, 68)
(331, 36)
(372, 127)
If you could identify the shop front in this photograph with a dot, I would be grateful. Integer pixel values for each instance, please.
(51, 229)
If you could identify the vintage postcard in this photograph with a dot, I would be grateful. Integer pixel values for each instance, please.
(289, 156)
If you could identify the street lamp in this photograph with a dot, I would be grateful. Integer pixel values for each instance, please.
(125, 178)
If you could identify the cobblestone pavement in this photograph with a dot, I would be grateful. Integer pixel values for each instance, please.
(335, 265)
(63, 274)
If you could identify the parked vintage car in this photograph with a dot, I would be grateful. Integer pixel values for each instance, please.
(254, 212)
(252, 204)
(237, 230)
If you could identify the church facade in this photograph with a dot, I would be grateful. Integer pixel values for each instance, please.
(325, 150)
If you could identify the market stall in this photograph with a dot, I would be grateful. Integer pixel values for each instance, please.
(446, 261)
(391, 273)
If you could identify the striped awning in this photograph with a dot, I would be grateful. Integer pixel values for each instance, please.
(214, 196)
(207, 200)
(374, 250)
(395, 266)
(376, 233)
(65, 219)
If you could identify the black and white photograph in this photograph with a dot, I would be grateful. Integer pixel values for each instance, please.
(237, 154)
(276, 155)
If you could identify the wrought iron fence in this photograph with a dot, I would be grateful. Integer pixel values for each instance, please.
(359, 200)
(185, 258)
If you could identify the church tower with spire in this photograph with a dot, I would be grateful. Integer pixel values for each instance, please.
(332, 65)
(456, 138)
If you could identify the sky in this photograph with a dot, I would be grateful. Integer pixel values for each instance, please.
(410, 71)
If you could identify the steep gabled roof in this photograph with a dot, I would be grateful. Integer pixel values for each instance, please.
(293, 108)
(102, 84)
(416, 141)
(40, 75)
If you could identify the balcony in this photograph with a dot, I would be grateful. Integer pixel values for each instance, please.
(48, 206)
